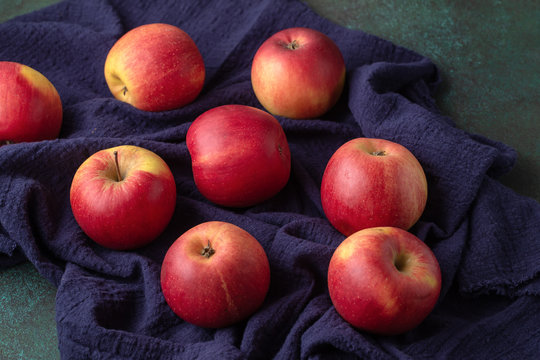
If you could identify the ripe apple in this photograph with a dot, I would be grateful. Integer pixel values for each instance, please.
(123, 197)
(384, 280)
(155, 67)
(373, 182)
(240, 155)
(215, 274)
(30, 107)
(298, 73)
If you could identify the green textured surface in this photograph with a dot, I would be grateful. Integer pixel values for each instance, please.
(488, 53)
(27, 325)
(11, 8)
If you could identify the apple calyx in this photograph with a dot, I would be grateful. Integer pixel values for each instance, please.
(293, 45)
(208, 251)
(378, 153)
(117, 167)
(280, 150)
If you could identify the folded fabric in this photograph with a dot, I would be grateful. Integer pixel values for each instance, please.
(110, 304)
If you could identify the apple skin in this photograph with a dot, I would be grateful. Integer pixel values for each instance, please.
(222, 288)
(240, 155)
(369, 291)
(373, 182)
(155, 67)
(124, 214)
(30, 107)
(298, 73)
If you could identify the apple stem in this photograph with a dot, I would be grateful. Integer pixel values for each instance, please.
(124, 90)
(208, 251)
(5, 142)
(117, 167)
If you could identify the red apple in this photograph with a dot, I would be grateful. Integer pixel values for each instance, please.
(384, 280)
(123, 197)
(215, 275)
(155, 67)
(373, 182)
(240, 155)
(298, 73)
(30, 107)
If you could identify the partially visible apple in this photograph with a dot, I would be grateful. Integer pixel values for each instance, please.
(384, 280)
(30, 107)
(240, 155)
(215, 274)
(155, 67)
(298, 73)
(373, 182)
(123, 197)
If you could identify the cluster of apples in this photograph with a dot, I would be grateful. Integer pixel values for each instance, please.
(381, 278)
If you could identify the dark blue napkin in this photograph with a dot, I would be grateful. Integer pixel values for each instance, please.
(109, 303)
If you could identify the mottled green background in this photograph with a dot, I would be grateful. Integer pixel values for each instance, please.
(27, 325)
(488, 53)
